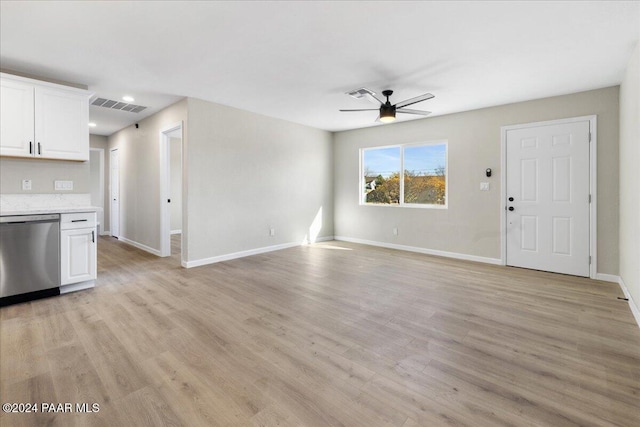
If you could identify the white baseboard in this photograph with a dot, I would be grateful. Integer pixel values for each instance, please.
(65, 289)
(176, 231)
(105, 233)
(139, 246)
(617, 279)
(242, 254)
(607, 277)
(466, 257)
(632, 304)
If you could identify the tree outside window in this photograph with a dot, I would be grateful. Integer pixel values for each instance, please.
(411, 175)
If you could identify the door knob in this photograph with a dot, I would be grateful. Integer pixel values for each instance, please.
(511, 199)
(511, 208)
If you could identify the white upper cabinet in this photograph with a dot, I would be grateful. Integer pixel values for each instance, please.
(16, 118)
(61, 124)
(43, 120)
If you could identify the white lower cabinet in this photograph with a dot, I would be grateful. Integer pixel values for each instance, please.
(78, 250)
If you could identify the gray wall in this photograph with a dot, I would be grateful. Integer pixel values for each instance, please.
(99, 141)
(139, 155)
(175, 167)
(471, 224)
(42, 174)
(247, 173)
(630, 177)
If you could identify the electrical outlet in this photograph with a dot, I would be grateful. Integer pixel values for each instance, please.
(272, 231)
(63, 185)
(484, 186)
(26, 184)
(395, 231)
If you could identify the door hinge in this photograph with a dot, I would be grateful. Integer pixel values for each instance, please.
(589, 136)
(589, 198)
(589, 259)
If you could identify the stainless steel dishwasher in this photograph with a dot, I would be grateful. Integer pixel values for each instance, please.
(29, 257)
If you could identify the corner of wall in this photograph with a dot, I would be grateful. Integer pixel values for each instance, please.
(629, 182)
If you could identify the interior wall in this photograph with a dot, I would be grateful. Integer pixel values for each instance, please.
(175, 190)
(42, 174)
(630, 177)
(100, 141)
(471, 224)
(248, 173)
(139, 157)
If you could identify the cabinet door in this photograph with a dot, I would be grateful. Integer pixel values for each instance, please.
(78, 254)
(16, 126)
(61, 124)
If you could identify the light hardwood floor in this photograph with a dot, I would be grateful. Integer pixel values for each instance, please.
(328, 334)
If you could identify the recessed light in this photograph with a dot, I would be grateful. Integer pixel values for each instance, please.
(92, 125)
(128, 98)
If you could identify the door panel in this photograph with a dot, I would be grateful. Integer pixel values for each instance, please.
(529, 180)
(61, 125)
(548, 179)
(114, 198)
(561, 179)
(78, 254)
(16, 127)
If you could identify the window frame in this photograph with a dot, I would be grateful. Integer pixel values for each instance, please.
(402, 204)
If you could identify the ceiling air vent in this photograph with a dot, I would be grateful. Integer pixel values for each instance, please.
(117, 105)
(360, 93)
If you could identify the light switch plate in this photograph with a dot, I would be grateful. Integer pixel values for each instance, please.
(26, 184)
(484, 186)
(63, 185)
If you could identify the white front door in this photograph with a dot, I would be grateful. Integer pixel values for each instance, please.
(115, 193)
(548, 199)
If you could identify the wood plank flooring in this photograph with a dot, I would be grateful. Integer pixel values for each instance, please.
(332, 334)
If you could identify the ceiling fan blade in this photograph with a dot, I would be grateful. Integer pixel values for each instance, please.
(373, 98)
(415, 100)
(410, 111)
(364, 109)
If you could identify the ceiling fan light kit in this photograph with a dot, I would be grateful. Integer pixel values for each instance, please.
(387, 110)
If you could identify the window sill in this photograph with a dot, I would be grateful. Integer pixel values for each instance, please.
(406, 205)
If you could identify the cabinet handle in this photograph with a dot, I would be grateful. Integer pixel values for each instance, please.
(30, 147)
(93, 237)
(79, 220)
(39, 149)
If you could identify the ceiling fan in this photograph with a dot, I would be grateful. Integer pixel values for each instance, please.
(387, 110)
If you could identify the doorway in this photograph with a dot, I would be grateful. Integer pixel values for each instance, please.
(114, 192)
(549, 196)
(171, 176)
(96, 171)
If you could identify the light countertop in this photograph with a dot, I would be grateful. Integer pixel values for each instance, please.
(53, 210)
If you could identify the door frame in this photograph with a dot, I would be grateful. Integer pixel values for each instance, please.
(165, 186)
(101, 151)
(111, 212)
(593, 172)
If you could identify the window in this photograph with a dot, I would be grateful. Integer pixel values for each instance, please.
(412, 175)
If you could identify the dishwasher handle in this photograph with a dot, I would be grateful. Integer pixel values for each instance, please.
(22, 219)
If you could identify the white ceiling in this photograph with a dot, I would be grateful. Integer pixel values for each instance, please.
(295, 60)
